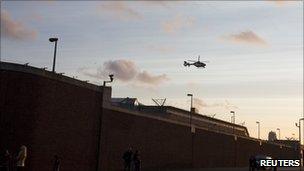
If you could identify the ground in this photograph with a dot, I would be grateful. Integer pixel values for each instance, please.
(242, 169)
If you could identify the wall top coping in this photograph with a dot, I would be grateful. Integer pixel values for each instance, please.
(6, 66)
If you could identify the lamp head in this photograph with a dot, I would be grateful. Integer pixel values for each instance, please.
(53, 39)
(232, 112)
(189, 94)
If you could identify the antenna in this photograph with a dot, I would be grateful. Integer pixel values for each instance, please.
(159, 102)
(199, 56)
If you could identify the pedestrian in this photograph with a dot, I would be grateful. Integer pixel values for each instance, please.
(56, 165)
(21, 158)
(251, 163)
(6, 160)
(136, 161)
(127, 157)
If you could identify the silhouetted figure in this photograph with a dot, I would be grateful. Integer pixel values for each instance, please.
(127, 157)
(251, 163)
(6, 161)
(56, 165)
(136, 161)
(21, 158)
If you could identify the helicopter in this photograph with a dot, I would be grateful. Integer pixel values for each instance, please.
(197, 63)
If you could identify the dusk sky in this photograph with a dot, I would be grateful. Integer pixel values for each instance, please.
(254, 49)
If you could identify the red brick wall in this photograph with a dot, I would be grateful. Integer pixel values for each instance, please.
(165, 145)
(49, 117)
(160, 144)
(52, 117)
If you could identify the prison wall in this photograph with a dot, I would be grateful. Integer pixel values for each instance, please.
(172, 145)
(57, 115)
(51, 115)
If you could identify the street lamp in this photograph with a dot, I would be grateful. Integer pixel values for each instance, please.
(54, 39)
(300, 151)
(191, 106)
(299, 126)
(233, 115)
(192, 135)
(279, 130)
(257, 122)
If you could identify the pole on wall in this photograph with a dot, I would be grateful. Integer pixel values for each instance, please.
(257, 122)
(98, 158)
(299, 148)
(54, 39)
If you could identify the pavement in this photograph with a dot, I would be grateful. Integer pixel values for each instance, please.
(239, 169)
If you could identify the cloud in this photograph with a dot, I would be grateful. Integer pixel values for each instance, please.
(161, 3)
(15, 29)
(281, 3)
(125, 71)
(178, 23)
(147, 78)
(166, 4)
(200, 104)
(246, 37)
(119, 10)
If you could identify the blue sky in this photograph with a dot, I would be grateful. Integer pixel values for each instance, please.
(255, 51)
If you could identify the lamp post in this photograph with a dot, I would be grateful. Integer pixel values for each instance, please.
(300, 151)
(257, 122)
(279, 130)
(54, 39)
(191, 106)
(192, 135)
(233, 116)
(98, 165)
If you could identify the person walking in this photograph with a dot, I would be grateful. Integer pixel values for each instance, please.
(136, 161)
(6, 161)
(127, 157)
(21, 158)
(251, 163)
(56, 165)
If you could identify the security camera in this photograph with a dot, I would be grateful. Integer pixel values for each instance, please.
(111, 77)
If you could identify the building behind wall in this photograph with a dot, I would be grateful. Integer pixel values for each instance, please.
(56, 115)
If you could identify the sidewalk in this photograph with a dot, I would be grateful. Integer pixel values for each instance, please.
(214, 169)
(237, 169)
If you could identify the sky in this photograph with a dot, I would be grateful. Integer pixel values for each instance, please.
(254, 51)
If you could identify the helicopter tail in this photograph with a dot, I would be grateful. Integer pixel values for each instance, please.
(186, 63)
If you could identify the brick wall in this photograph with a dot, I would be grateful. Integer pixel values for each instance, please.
(164, 145)
(51, 116)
